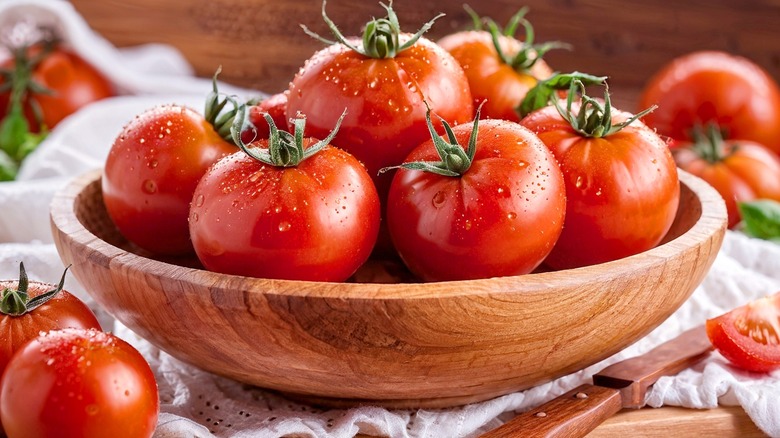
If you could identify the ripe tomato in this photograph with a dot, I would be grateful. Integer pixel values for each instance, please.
(151, 172)
(622, 189)
(30, 307)
(314, 217)
(749, 336)
(704, 87)
(502, 74)
(499, 216)
(740, 170)
(276, 106)
(383, 91)
(78, 383)
(72, 82)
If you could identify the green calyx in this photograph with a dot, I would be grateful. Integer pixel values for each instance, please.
(284, 149)
(16, 302)
(215, 104)
(455, 161)
(530, 53)
(594, 117)
(16, 139)
(381, 38)
(708, 143)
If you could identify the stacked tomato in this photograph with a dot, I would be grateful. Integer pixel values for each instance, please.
(64, 377)
(377, 147)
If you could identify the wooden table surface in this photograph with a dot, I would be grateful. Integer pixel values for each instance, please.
(259, 45)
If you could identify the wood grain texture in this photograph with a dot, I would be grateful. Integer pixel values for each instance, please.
(259, 43)
(723, 422)
(399, 345)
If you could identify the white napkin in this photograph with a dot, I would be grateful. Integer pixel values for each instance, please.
(197, 403)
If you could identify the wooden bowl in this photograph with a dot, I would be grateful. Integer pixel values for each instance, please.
(396, 345)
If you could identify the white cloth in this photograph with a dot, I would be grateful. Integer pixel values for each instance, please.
(195, 403)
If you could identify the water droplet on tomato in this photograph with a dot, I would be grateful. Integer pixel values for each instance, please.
(50, 361)
(438, 199)
(92, 409)
(169, 123)
(277, 209)
(511, 215)
(195, 217)
(503, 191)
(199, 201)
(467, 225)
(522, 164)
(284, 226)
(598, 192)
(149, 187)
(152, 164)
(579, 182)
(142, 141)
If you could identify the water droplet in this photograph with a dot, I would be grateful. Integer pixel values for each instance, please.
(277, 209)
(522, 164)
(195, 217)
(598, 192)
(438, 199)
(142, 141)
(169, 123)
(152, 164)
(578, 183)
(511, 215)
(149, 186)
(199, 201)
(50, 361)
(467, 225)
(92, 409)
(284, 226)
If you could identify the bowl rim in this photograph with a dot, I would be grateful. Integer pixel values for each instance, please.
(712, 219)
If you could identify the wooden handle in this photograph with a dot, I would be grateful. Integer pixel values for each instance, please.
(573, 414)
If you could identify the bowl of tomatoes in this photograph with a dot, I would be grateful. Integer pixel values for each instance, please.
(400, 344)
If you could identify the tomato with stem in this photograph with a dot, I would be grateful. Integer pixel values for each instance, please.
(740, 170)
(622, 188)
(383, 81)
(153, 167)
(492, 208)
(288, 207)
(30, 307)
(500, 68)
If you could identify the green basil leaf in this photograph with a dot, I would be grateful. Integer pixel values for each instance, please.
(761, 218)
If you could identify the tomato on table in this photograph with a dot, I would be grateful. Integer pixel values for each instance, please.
(152, 170)
(714, 87)
(740, 170)
(622, 188)
(30, 307)
(285, 207)
(749, 336)
(489, 201)
(383, 80)
(79, 383)
(500, 69)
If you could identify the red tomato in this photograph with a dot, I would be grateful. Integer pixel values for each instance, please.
(276, 106)
(314, 220)
(622, 189)
(73, 83)
(384, 98)
(749, 336)
(20, 324)
(740, 170)
(500, 79)
(704, 87)
(151, 172)
(499, 217)
(78, 383)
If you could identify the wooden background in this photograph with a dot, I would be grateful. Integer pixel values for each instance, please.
(260, 45)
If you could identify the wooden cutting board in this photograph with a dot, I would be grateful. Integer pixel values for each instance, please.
(723, 422)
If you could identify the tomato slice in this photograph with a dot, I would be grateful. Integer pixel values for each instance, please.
(749, 336)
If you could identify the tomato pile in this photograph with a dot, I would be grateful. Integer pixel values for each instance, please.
(377, 149)
(64, 377)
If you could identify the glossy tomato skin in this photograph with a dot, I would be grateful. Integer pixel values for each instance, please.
(747, 171)
(78, 383)
(622, 190)
(501, 87)
(63, 310)
(384, 99)
(501, 217)
(748, 336)
(317, 221)
(718, 87)
(151, 172)
(73, 82)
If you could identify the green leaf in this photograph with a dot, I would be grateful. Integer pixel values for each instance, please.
(544, 91)
(761, 218)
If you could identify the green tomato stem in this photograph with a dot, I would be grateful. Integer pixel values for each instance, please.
(16, 302)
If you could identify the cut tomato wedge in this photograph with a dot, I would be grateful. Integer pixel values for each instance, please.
(749, 336)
